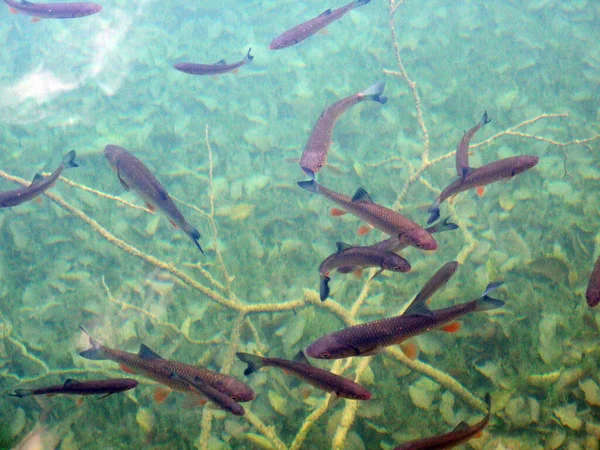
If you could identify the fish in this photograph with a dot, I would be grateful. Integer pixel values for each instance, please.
(314, 156)
(382, 218)
(482, 176)
(592, 293)
(135, 176)
(53, 10)
(213, 69)
(219, 398)
(151, 365)
(462, 433)
(462, 151)
(305, 30)
(370, 338)
(301, 368)
(91, 387)
(38, 186)
(349, 258)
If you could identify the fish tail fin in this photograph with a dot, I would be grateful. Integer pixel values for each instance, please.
(254, 362)
(308, 172)
(434, 212)
(485, 119)
(324, 287)
(486, 302)
(374, 92)
(358, 3)
(22, 393)
(248, 57)
(97, 351)
(69, 160)
(310, 185)
(444, 225)
(194, 236)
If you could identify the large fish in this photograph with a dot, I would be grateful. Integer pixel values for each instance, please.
(350, 258)
(482, 176)
(461, 434)
(592, 293)
(38, 186)
(52, 10)
(151, 365)
(319, 378)
(462, 152)
(213, 69)
(382, 218)
(314, 156)
(371, 337)
(91, 387)
(135, 176)
(307, 29)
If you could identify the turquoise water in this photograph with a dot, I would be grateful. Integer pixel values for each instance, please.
(82, 84)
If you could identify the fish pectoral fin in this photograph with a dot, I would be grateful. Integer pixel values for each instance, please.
(126, 369)
(146, 353)
(105, 395)
(364, 229)
(346, 269)
(410, 350)
(325, 13)
(173, 223)
(376, 273)
(150, 207)
(125, 186)
(451, 327)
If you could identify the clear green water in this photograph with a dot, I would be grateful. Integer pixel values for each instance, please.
(85, 83)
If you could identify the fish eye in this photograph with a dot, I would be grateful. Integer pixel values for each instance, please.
(397, 268)
(235, 398)
(418, 245)
(325, 355)
(530, 164)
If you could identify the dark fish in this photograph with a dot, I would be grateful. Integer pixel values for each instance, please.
(53, 10)
(382, 218)
(151, 365)
(92, 387)
(135, 176)
(319, 378)
(592, 293)
(462, 152)
(349, 258)
(213, 69)
(371, 337)
(38, 186)
(482, 176)
(462, 433)
(223, 400)
(307, 29)
(314, 155)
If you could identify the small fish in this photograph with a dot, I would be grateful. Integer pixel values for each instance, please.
(462, 433)
(213, 69)
(371, 337)
(91, 387)
(135, 176)
(305, 30)
(53, 10)
(592, 293)
(350, 258)
(151, 365)
(219, 398)
(462, 152)
(482, 176)
(38, 186)
(314, 156)
(382, 218)
(300, 367)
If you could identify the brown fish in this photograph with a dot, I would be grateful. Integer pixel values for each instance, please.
(38, 186)
(319, 378)
(462, 433)
(462, 152)
(135, 176)
(592, 293)
(91, 387)
(308, 28)
(382, 218)
(213, 69)
(350, 258)
(39, 11)
(151, 365)
(314, 156)
(482, 176)
(371, 337)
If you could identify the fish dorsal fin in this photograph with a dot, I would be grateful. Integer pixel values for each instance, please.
(418, 307)
(122, 182)
(37, 179)
(325, 13)
(461, 426)
(301, 358)
(71, 382)
(341, 246)
(146, 353)
(361, 196)
(220, 63)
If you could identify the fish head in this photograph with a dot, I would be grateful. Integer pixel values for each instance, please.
(395, 263)
(311, 163)
(328, 347)
(354, 391)
(281, 42)
(524, 163)
(112, 154)
(421, 239)
(239, 391)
